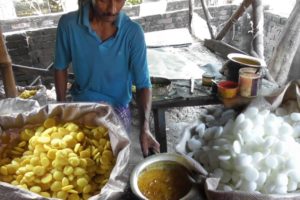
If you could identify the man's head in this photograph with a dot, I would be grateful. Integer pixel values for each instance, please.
(107, 10)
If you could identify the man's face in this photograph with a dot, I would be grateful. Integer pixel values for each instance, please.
(107, 10)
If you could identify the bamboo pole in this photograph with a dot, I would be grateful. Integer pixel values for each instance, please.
(6, 70)
(239, 12)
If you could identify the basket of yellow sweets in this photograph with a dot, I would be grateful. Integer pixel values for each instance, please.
(67, 151)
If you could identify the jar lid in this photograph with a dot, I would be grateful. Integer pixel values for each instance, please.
(208, 75)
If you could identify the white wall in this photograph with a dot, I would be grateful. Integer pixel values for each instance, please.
(7, 9)
(281, 7)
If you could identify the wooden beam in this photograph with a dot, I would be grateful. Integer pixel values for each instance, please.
(207, 17)
(239, 12)
(6, 70)
(221, 48)
(286, 48)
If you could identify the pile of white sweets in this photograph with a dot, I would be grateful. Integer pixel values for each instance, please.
(256, 152)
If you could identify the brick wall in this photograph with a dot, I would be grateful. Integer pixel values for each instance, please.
(31, 48)
(240, 35)
(29, 23)
(34, 47)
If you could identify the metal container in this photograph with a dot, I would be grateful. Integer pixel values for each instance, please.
(207, 79)
(238, 61)
(160, 158)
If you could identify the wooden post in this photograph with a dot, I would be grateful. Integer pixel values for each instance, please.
(245, 4)
(191, 10)
(207, 17)
(286, 48)
(257, 45)
(6, 70)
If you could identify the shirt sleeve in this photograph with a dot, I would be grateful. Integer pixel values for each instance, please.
(62, 46)
(138, 59)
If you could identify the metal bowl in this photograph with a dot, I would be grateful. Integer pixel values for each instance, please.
(160, 86)
(161, 158)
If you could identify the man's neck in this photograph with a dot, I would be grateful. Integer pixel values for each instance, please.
(104, 29)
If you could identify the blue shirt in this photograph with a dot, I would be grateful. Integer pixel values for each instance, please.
(104, 70)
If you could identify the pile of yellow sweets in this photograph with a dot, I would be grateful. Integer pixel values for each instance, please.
(26, 94)
(65, 161)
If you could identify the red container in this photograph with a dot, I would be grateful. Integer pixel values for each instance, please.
(227, 89)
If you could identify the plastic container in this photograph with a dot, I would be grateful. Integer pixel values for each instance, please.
(249, 82)
(227, 89)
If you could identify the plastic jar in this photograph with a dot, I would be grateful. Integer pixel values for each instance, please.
(249, 82)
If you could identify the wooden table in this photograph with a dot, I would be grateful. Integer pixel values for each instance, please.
(200, 97)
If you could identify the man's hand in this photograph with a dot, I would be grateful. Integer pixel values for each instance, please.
(148, 142)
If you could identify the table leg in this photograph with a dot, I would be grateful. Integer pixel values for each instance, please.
(160, 128)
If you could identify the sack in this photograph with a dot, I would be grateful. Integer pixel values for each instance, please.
(15, 106)
(39, 93)
(91, 114)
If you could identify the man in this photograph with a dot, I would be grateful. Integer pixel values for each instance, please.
(108, 52)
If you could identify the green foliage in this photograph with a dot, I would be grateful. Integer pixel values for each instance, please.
(133, 2)
(31, 7)
(56, 5)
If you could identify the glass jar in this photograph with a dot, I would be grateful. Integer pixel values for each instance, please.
(249, 82)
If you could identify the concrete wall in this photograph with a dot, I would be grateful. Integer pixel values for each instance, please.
(35, 47)
(273, 26)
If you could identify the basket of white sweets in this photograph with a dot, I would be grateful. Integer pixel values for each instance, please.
(255, 154)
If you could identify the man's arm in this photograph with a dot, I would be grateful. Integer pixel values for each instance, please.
(61, 79)
(144, 101)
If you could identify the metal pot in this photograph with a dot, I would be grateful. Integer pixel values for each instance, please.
(160, 86)
(193, 193)
(237, 61)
